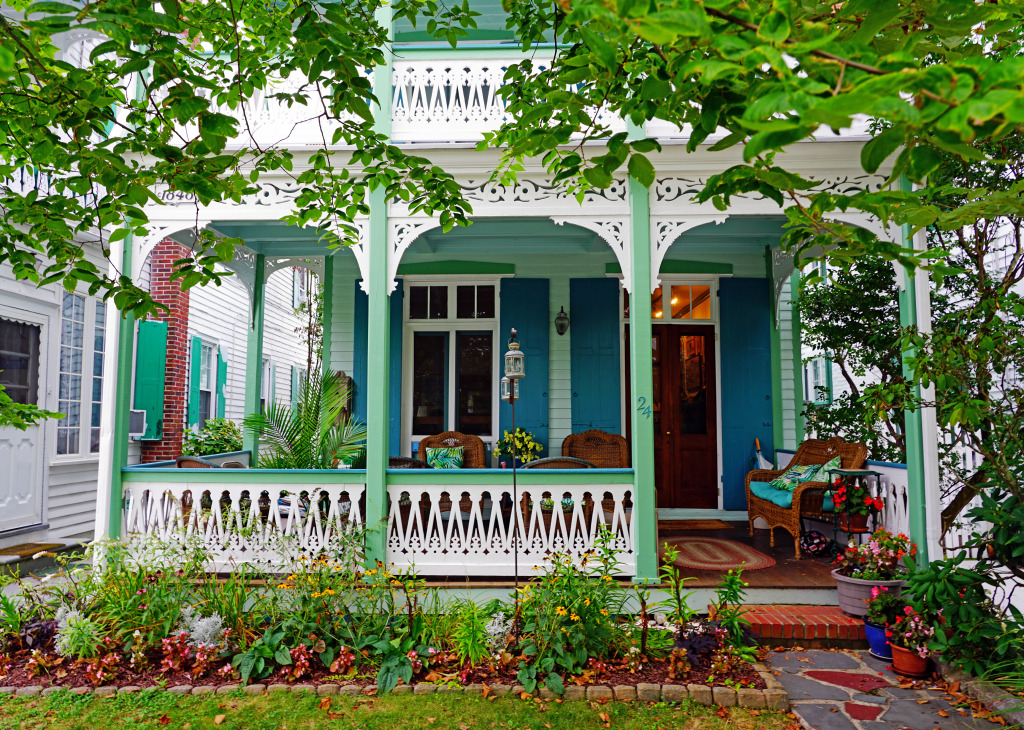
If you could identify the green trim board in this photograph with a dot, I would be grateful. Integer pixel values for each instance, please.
(455, 268)
(678, 266)
(243, 476)
(123, 402)
(254, 354)
(497, 477)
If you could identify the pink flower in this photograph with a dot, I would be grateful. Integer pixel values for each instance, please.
(908, 610)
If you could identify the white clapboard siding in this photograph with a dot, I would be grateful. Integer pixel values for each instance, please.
(346, 272)
(791, 407)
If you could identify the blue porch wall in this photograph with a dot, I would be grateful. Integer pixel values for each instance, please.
(746, 381)
(360, 307)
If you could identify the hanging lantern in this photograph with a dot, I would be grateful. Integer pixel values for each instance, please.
(561, 322)
(515, 360)
(509, 389)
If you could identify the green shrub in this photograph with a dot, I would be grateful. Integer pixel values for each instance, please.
(217, 436)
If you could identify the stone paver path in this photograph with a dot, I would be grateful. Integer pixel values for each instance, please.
(831, 690)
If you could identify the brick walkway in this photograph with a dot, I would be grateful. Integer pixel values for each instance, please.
(849, 690)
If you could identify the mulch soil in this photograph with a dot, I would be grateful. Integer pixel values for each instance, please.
(72, 674)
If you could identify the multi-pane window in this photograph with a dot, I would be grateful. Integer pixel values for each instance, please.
(678, 303)
(207, 379)
(818, 380)
(99, 344)
(452, 365)
(299, 286)
(72, 355)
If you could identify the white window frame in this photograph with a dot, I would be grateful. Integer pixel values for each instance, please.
(208, 350)
(85, 424)
(451, 326)
(811, 382)
(300, 294)
(266, 383)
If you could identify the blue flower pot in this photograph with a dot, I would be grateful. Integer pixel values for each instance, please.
(879, 645)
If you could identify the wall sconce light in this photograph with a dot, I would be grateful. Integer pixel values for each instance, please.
(561, 321)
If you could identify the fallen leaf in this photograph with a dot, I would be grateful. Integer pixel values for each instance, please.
(922, 702)
(219, 719)
(954, 688)
(606, 721)
(833, 709)
(487, 690)
(722, 712)
(370, 691)
(547, 725)
(943, 713)
(164, 720)
(524, 695)
(325, 703)
(431, 720)
(335, 715)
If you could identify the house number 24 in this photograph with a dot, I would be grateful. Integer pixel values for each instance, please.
(643, 407)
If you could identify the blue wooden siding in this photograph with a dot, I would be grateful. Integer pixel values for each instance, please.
(594, 354)
(524, 305)
(360, 310)
(746, 380)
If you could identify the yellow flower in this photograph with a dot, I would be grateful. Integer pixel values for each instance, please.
(574, 617)
(328, 592)
(293, 577)
(371, 572)
(560, 611)
(283, 585)
(586, 602)
(604, 612)
(607, 577)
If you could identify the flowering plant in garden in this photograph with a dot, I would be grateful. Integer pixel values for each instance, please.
(912, 631)
(527, 448)
(879, 558)
(854, 498)
(884, 606)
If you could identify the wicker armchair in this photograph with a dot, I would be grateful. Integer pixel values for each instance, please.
(194, 462)
(558, 462)
(473, 453)
(602, 449)
(808, 497)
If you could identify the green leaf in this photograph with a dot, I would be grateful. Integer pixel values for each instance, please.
(554, 683)
(598, 177)
(641, 169)
(775, 138)
(599, 47)
(878, 149)
(282, 656)
(775, 27)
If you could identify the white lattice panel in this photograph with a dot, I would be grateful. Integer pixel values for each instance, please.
(240, 523)
(471, 530)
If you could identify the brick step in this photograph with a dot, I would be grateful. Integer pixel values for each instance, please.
(812, 627)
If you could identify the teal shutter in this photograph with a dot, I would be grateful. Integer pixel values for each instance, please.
(594, 362)
(746, 385)
(295, 385)
(222, 378)
(193, 381)
(360, 314)
(360, 309)
(150, 373)
(524, 305)
(395, 374)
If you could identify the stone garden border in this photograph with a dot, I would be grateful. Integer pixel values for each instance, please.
(773, 697)
(992, 696)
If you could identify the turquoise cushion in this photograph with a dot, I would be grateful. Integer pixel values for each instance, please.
(782, 498)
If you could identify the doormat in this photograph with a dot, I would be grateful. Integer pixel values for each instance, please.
(28, 549)
(716, 553)
(677, 525)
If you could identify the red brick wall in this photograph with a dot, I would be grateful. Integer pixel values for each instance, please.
(176, 381)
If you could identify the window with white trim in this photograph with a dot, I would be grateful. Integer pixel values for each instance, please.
(19, 361)
(818, 380)
(80, 378)
(450, 372)
(207, 382)
(300, 286)
(266, 385)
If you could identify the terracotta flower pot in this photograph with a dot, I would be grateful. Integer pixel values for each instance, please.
(853, 523)
(854, 592)
(909, 663)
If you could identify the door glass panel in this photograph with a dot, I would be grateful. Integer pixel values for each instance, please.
(19, 360)
(656, 310)
(693, 395)
(429, 373)
(417, 302)
(680, 302)
(700, 302)
(473, 361)
(656, 385)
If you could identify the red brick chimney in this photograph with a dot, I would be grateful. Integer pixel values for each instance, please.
(169, 293)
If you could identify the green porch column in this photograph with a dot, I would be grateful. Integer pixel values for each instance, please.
(917, 422)
(125, 357)
(641, 373)
(327, 314)
(254, 355)
(378, 338)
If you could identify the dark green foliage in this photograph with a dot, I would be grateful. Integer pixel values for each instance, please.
(217, 436)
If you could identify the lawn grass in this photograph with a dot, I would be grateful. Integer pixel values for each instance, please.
(152, 709)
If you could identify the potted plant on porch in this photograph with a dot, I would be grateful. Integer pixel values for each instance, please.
(884, 608)
(877, 562)
(522, 443)
(909, 637)
(854, 504)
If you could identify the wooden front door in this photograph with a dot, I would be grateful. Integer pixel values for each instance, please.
(685, 427)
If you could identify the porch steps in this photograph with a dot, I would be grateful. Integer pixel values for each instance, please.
(28, 564)
(812, 627)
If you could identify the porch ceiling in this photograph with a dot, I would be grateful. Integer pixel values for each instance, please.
(274, 238)
(510, 235)
(737, 234)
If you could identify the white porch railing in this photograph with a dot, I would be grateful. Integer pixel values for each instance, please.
(260, 524)
(470, 529)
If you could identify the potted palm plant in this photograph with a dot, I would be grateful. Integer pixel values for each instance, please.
(877, 562)
(314, 432)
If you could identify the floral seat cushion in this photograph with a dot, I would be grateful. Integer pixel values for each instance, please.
(795, 476)
(784, 497)
(445, 457)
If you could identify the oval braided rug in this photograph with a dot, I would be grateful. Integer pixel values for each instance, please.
(717, 553)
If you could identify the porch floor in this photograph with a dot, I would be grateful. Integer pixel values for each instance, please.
(788, 572)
